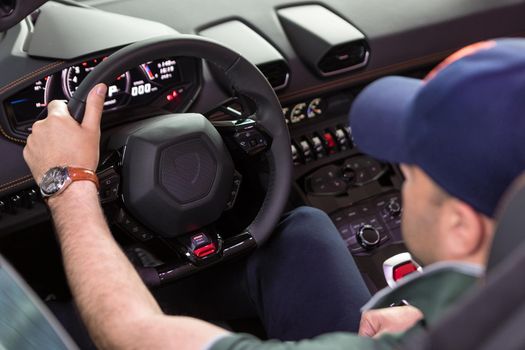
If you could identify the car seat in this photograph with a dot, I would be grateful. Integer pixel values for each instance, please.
(493, 314)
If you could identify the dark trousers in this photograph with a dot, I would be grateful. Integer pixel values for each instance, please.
(302, 283)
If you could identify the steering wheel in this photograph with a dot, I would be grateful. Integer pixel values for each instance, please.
(177, 174)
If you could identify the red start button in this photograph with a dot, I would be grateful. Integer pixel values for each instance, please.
(205, 250)
(403, 269)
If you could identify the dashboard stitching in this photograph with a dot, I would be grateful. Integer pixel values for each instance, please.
(15, 183)
(20, 81)
(369, 74)
(428, 59)
(30, 75)
(2, 131)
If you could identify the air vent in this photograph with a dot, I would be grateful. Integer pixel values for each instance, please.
(343, 58)
(277, 74)
(326, 42)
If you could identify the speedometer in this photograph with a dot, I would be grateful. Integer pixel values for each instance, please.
(118, 91)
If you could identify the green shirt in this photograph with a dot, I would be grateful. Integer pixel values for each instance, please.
(433, 292)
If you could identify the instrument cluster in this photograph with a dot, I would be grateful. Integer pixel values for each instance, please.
(164, 83)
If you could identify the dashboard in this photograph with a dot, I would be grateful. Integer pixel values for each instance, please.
(48, 55)
(166, 83)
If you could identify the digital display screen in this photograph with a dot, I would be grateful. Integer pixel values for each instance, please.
(138, 86)
(28, 103)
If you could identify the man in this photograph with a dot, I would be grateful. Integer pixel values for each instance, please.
(80, 224)
(458, 136)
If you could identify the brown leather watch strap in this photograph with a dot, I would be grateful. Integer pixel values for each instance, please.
(78, 174)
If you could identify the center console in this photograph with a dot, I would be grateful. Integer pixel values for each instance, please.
(362, 195)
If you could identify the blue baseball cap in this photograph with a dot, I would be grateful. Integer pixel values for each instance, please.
(464, 124)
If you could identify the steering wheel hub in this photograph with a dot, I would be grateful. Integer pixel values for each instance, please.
(158, 186)
(178, 173)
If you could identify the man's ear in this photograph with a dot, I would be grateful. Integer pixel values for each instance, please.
(463, 231)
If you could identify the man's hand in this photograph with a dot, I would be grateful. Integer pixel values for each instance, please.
(375, 323)
(59, 140)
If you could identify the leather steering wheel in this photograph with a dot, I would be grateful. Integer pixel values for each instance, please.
(162, 150)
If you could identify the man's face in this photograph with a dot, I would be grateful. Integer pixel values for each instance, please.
(422, 215)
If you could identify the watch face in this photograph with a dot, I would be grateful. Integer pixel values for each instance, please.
(53, 180)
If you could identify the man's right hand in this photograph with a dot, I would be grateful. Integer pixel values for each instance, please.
(59, 140)
(375, 323)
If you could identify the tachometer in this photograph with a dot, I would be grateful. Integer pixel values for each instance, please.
(118, 91)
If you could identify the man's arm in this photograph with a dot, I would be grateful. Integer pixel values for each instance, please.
(375, 323)
(118, 309)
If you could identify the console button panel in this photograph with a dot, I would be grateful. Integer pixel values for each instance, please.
(24, 200)
(320, 144)
(369, 224)
(335, 179)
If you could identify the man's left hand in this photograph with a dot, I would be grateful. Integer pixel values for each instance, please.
(376, 322)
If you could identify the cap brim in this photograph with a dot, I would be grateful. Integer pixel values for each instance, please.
(378, 118)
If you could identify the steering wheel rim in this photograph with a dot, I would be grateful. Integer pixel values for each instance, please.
(245, 79)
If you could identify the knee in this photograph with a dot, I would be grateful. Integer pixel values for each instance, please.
(308, 224)
(307, 215)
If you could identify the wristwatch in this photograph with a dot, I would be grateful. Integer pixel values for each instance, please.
(57, 179)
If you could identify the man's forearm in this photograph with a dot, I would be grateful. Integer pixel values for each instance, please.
(118, 309)
(108, 291)
(116, 306)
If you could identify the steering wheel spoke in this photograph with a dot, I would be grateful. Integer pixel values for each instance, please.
(109, 177)
(202, 247)
(175, 173)
(243, 137)
(236, 186)
(233, 108)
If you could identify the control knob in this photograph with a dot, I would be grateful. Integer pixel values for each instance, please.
(348, 173)
(368, 237)
(394, 209)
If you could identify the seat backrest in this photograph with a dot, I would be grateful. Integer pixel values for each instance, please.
(491, 316)
(25, 322)
(510, 232)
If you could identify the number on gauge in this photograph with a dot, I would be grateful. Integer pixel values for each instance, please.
(26, 105)
(162, 70)
(74, 75)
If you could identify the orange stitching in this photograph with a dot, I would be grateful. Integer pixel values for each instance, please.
(25, 177)
(370, 74)
(20, 81)
(365, 75)
(30, 75)
(11, 138)
(15, 183)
